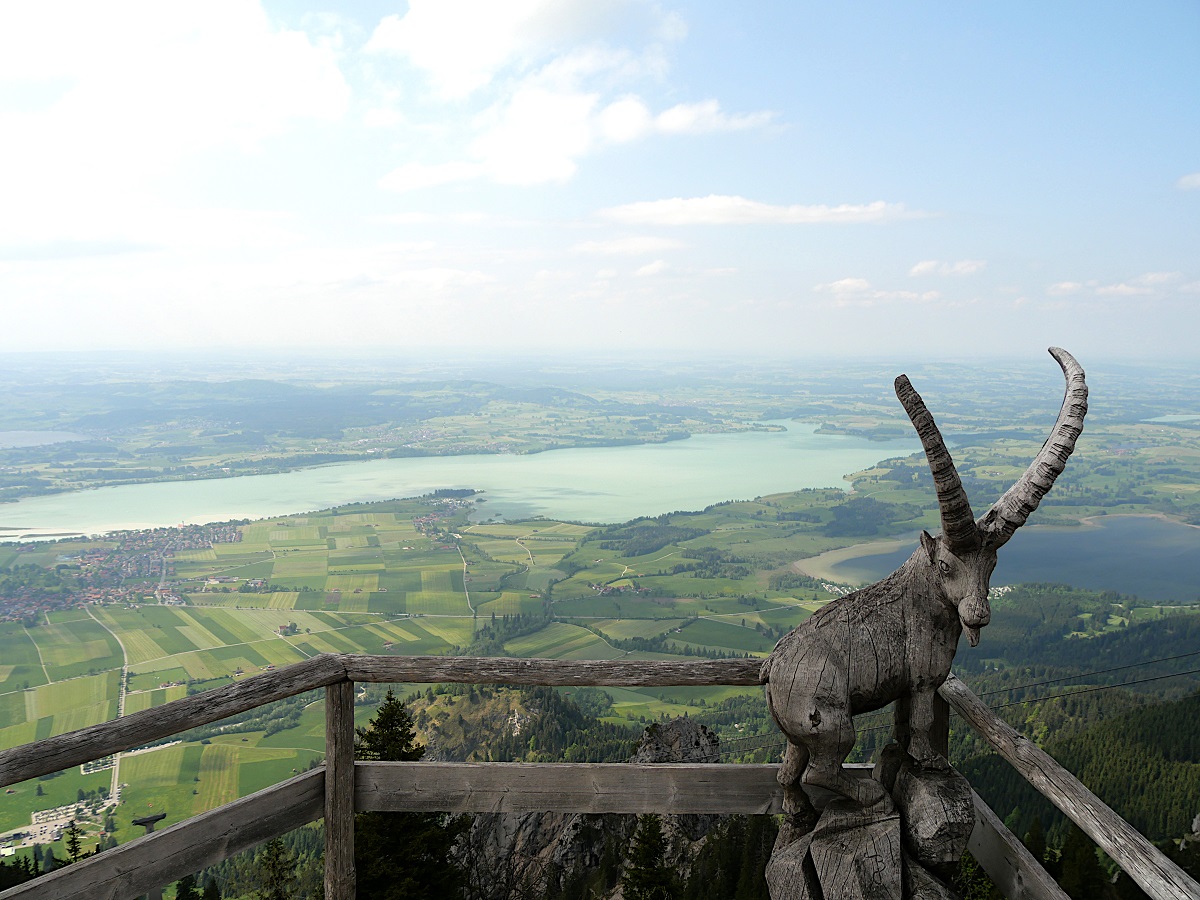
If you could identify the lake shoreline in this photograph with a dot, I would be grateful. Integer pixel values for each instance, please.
(824, 565)
(590, 484)
(1147, 555)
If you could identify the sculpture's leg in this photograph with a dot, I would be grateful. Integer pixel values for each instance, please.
(829, 745)
(914, 721)
(798, 808)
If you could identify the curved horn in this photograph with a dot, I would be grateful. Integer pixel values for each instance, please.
(1019, 501)
(958, 522)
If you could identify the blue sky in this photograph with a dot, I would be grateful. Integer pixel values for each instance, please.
(783, 179)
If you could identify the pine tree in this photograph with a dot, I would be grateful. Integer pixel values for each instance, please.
(211, 890)
(185, 888)
(1082, 877)
(277, 872)
(1035, 840)
(74, 842)
(403, 856)
(390, 735)
(647, 875)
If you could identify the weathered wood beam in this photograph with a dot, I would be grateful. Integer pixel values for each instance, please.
(339, 791)
(165, 856)
(557, 672)
(65, 750)
(1144, 863)
(567, 787)
(136, 729)
(1007, 861)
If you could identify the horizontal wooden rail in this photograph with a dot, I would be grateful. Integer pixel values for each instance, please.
(1145, 863)
(157, 859)
(166, 856)
(552, 672)
(149, 725)
(568, 787)
(726, 789)
(96, 741)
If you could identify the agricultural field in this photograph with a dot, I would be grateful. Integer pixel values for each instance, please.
(415, 577)
(405, 577)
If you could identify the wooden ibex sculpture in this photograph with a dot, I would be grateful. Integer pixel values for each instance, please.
(894, 640)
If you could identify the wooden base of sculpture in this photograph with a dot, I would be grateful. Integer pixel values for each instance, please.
(897, 849)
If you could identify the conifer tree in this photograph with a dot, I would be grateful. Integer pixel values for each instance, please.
(402, 856)
(1035, 840)
(211, 890)
(74, 842)
(1082, 877)
(276, 871)
(647, 875)
(185, 888)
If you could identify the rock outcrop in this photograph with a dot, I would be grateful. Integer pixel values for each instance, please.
(513, 856)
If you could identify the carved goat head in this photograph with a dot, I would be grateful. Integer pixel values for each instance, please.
(963, 556)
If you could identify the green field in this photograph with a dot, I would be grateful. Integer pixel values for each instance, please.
(20, 667)
(365, 581)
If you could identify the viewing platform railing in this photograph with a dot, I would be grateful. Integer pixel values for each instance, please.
(342, 786)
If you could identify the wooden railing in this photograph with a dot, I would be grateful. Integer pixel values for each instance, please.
(342, 786)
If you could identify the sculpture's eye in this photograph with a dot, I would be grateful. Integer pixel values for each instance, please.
(944, 567)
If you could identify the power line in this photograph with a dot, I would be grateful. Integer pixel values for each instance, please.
(1085, 690)
(1148, 662)
(1102, 687)
(1033, 684)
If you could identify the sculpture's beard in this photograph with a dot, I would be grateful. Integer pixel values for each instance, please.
(972, 634)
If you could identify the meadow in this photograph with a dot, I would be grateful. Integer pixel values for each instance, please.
(405, 577)
(418, 577)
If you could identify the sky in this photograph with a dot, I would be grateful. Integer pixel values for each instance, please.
(771, 179)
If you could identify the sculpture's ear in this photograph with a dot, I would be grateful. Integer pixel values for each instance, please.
(930, 546)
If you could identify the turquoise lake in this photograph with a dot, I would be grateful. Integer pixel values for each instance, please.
(601, 484)
(1150, 557)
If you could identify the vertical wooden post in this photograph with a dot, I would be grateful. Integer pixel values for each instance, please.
(339, 791)
(939, 733)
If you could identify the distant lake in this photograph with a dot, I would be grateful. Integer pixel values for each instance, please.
(36, 438)
(595, 484)
(1153, 558)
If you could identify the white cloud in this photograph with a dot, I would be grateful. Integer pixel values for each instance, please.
(858, 292)
(732, 210)
(139, 90)
(706, 116)
(1146, 284)
(624, 120)
(537, 84)
(415, 176)
(1189, 182)
(463, 44)
(426, 218)
(539, 137)
(639, 245)
(539, 134)
(935, 267)
(844, 286)
(1121, 290)
(1155, 279)
(655, 268)
(1063, 288)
